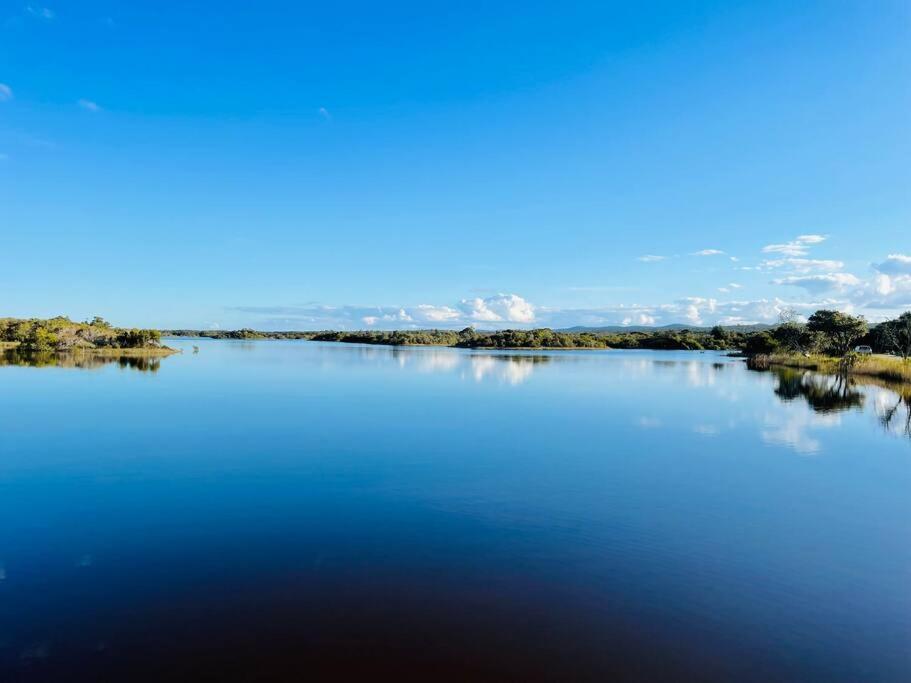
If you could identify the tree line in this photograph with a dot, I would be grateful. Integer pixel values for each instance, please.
(826, 332)
(63, 334)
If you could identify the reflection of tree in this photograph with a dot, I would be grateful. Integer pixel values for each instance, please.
(894, 419)
(78, 360)
(834, 393)
(823, 393)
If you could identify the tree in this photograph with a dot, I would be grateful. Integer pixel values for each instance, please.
(718, 333)
(793, 335)
(761, 342)
(896, 335)
(838, 330)
(40, 338)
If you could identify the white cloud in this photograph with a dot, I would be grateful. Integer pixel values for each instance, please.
(802, 265)
(499, 308)
(651, 258)
(435, 314)
(399, 316)
(325, 113)
(6, 92)
(797, 247)
(734, 285)
(811, 239)
(820, 283)
(707, 252)
(638, 319)
(895, 264)
(88, 105)
(886, 292)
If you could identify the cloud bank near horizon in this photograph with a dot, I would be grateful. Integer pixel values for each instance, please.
(883, 292)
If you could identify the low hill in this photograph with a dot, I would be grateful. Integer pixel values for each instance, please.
(676, 327)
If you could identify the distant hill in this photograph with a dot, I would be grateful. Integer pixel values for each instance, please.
(676, 327)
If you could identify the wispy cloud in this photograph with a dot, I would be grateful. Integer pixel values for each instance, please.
(796, 247)
(802, 265)
(708, 252)
(6, 92)
(651, 258)
(325, 113)
(820, 283)
(88, 105)
(41, 12)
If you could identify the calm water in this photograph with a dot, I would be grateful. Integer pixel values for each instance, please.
(294, 511)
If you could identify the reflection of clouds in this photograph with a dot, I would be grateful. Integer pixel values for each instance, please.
(700, 374)
(793, 429)
(510, 369)
(707, 430)
(437, 361)
(513, 368)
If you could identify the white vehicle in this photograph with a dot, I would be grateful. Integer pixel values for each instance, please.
(865, 350)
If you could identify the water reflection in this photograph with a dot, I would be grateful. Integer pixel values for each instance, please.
(828, 395)
(893, 410)
(78, 360)
(508, 368)
(513, 369)
(823, 393)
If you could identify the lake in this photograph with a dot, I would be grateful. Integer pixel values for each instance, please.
(279, 510)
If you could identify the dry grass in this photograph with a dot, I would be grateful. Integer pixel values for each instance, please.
(893, 369)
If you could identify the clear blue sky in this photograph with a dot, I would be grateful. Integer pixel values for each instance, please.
(303, 165)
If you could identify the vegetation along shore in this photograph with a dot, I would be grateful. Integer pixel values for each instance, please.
(825, 342)
(94, 337)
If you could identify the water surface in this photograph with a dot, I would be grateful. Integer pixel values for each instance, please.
(291, 510)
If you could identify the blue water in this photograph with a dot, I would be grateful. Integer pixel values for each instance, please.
(278, 511)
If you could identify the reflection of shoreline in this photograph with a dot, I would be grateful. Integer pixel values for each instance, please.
(82, 360)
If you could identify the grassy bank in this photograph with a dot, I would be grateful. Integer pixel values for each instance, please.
(892, 369)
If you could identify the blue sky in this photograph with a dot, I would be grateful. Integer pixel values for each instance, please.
(294, 165)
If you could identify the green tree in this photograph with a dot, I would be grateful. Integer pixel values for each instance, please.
(896, 335)
(719, 334)
(40, 338)
(760, 342)
(837, 330)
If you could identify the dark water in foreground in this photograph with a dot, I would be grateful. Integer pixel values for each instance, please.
(277, 511)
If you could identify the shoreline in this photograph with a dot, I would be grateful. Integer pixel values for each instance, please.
(890, 369)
